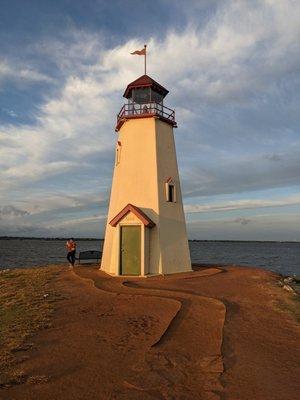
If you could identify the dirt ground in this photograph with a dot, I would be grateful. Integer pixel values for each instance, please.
(215, 333)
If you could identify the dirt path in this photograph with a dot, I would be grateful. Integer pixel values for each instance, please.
(212, 334)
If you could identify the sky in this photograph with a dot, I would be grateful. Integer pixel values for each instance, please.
(233, 72)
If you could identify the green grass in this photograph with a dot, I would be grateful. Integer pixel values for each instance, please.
(294, 307)
(27, 299)
(291, 304)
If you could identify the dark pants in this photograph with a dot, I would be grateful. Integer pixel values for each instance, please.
(71, 257)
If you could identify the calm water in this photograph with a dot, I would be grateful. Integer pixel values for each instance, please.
(279, 257)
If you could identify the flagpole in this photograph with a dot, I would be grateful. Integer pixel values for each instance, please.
(145, 47)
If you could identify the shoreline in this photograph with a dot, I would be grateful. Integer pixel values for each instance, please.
(187, 334)
(190, 240)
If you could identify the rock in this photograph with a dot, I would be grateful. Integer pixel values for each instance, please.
(288, 288)
(288, 280)
(3, 271)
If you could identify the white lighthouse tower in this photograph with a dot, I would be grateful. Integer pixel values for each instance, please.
(146, 230)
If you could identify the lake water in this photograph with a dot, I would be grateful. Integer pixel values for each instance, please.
(276, 256)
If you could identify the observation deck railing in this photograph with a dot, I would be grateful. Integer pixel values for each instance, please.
(135, 110)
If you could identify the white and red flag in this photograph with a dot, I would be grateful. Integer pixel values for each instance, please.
(140, 52)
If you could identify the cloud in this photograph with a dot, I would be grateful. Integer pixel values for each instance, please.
(60, 219)
(240, 52)
(20, 74)
(24, 229)
(244, 204)
(274, 157)
(214, 66)
(38, 203)
(11, 211)
(239, 173)
(262, 227)
(66, 131)
(77, 223)
(242, 221)
(233, 81)
(11, 113)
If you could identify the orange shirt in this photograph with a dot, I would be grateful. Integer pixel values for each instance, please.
(71, 246)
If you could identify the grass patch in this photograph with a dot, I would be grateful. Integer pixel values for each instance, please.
(27, 300)
(291, 305)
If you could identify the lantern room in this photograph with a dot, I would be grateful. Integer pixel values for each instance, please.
(145, 98)
(145, 90)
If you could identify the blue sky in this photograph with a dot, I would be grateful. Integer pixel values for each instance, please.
(232, 69)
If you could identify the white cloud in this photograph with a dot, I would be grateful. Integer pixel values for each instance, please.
(243, 51)
(11, 113)
(20, 74)
(78, 222)
(244, 204)
(11, 212)
(232, 172)
(213, 63)
(38, 203)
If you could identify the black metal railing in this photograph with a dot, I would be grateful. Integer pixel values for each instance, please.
(131, 110)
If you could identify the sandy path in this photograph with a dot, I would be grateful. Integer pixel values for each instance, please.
(166, 338)
(261, 343)
(177, 370)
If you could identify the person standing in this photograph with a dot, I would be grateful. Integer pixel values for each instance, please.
(71, 251)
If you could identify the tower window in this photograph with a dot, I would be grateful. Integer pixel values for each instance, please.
(118, 153)
(171, 192)
(141, 95)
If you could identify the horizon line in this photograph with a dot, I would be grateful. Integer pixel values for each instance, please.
(6, 237)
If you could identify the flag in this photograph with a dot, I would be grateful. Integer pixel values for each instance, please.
(140, 52)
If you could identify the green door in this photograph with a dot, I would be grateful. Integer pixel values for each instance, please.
(130, 257)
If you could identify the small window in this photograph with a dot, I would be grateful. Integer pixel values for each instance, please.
(156, 97)
(118, 153)
(171, 192)
(141, 95)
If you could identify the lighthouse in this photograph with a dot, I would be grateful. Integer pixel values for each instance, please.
(146, 230)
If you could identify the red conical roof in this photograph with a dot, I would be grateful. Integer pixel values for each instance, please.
(145, 81)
